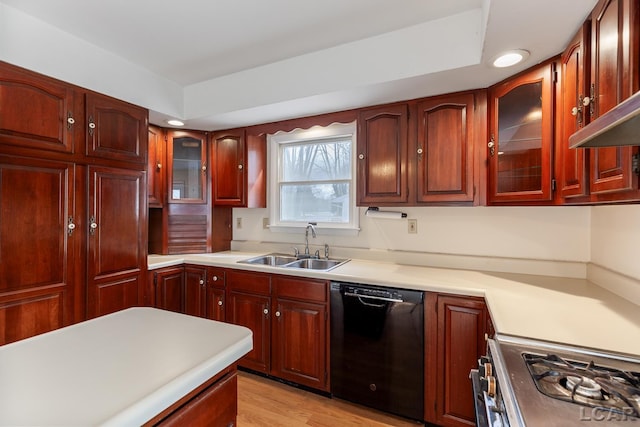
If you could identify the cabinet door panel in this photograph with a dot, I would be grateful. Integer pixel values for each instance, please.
(572, 177)
(117, 233)
(461, 325)
(229, 184)
(169, 284)
(24, 95)
(187, 172)
(445, 136)
(382, 155)
(253, 312)
(115, 130)
(156, 167)
(299, 340)
(614, 42)
(38, 265)
(521, 128)
(195, 288)
(216, 304)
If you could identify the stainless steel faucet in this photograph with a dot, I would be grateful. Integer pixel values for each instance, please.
(306, 236)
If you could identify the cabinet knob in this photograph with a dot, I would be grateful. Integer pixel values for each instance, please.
(214, 278)
(71, 226)
(574, 111)
(492, 146)
(92, 225)
(277, 314)
(265, 311)
(420, 151)
(239, 166)
(361, 156)
(204, 168)
(159, 165)
(220, 302)
(201, 282)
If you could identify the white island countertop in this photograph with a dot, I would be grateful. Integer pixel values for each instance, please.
(119, 369)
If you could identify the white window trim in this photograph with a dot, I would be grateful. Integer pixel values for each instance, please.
(316, 132)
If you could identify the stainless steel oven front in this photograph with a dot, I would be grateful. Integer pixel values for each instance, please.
(525, 382)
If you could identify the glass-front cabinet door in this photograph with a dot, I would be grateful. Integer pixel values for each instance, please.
(187, 175)
(521, 138)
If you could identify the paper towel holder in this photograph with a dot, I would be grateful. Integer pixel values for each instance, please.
(373, 211)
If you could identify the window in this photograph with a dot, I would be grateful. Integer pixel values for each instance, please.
(313, 179)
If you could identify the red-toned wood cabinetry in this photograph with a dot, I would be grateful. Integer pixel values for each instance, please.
(229, 163)
(156, 167)
(73, 203)
(382, 155)
(168, 286)
(205, 292)
(288, 317)
(521, 137)
(456, 330)
(614, 77)
(421, 152)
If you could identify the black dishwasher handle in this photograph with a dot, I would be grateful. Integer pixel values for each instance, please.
(352, 294)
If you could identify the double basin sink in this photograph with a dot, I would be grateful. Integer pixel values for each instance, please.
(290, 261)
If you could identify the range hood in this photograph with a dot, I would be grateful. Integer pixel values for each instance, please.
(618, 126)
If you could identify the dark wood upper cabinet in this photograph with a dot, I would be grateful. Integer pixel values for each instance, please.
(573, 114)
(187, 172)
(156, 167)
(58, 105)
(229, 164)
(382, 155)
(614, 77)
(521, 137)
(115, 130)
(445, 170)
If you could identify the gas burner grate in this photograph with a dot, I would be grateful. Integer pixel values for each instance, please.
(586, 384)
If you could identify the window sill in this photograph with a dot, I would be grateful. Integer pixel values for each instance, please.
(326, 231)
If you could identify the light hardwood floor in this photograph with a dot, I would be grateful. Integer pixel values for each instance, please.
(263, 402)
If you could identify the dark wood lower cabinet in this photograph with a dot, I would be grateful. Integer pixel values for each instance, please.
(214, 404)
(455, 339)
(169, 288)
(289, 320)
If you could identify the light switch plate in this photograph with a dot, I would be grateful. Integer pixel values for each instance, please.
(238, 222)
(412, 225)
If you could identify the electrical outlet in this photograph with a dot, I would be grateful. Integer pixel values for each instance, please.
(412, 226)
(238, 223)
(265, 223)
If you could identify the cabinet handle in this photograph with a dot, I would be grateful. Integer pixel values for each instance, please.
(265, 311)
(220, 302)
(492, 146)
(361, 156)
(214, 278)
(240, 167)
(201, 282)
(277, 314)
(159, 166)
(92, 226)
(70, 226)
(92, 125)
(204, 168)
(70, 120)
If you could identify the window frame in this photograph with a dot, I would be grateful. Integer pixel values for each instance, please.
(301, 136)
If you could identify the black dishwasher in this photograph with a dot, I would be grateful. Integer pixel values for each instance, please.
(377, 347)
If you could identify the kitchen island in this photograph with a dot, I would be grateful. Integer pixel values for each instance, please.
(136, 366)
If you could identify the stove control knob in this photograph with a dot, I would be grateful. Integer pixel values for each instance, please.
(491, 386)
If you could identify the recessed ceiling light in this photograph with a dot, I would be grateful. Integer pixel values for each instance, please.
(175, 122)
(512, 57)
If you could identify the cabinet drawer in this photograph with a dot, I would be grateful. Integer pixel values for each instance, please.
(215, 277)
(299, 288)
(256, 283)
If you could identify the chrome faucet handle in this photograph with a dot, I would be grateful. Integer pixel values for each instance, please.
(326, 251)
(317, 255)
(296, 252)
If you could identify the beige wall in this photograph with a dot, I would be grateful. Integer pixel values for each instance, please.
(615, 238)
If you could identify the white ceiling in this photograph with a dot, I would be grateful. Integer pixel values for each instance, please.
(241, 62)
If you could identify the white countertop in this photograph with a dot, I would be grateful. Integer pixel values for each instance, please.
(555, 309)
(119, 369)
